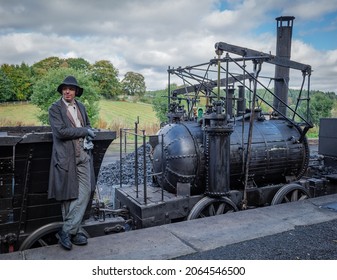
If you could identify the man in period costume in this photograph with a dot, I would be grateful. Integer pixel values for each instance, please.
(72, 178)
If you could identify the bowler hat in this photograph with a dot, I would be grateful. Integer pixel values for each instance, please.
(70, 81)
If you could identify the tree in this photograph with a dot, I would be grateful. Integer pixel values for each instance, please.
(160, 102)
(106, 75)
(45, 92)
(320, 106)
(6, 87)
(22, 80)
(17, 82)
(78, 64)
(134, 84)
(44, 66)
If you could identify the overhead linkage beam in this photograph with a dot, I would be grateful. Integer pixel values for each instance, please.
(269, 58)
(209, 85)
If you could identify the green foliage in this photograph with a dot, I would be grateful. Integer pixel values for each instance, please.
(42, 67)
(103, 72)
(160, 102)
(15, 82)
(6, 88)
(133, 84)
(106, 75)
(78, 64)
(321, 105)
(24, 85)
(45, 92)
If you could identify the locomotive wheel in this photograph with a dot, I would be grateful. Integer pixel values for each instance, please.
(290, 193)
(211, 206)
(43, 236)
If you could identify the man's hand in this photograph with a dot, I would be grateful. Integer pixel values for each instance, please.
(91, 134)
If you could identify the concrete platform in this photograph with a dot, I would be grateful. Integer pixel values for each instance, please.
(179, 239)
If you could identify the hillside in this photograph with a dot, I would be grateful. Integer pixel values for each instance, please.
(113, 115)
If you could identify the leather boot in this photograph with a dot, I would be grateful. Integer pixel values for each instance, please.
(64, 239)
(79, 239)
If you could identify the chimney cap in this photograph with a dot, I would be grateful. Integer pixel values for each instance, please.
(285, 18)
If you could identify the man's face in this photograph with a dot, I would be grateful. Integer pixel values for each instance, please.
(69, 93)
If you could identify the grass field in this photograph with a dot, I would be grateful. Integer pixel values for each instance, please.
(18, 114)
(113, 115)
(117, 114)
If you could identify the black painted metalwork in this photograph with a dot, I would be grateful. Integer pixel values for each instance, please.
(219, 152)
(25, 154)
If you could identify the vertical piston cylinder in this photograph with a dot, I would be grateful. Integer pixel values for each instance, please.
(217, 153)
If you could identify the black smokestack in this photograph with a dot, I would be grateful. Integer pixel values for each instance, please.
(283, 50)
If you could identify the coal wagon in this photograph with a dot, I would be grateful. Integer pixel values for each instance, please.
(27, 216)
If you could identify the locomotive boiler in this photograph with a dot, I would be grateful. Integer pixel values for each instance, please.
(276, 155)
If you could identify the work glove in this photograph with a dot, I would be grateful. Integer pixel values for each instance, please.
(91, 134)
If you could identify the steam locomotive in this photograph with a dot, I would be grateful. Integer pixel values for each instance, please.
(229, 155)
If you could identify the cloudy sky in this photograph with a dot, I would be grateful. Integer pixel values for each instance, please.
(147, 36)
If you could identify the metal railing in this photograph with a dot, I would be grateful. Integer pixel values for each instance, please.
(125, 135)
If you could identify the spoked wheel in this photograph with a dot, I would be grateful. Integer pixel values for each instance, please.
(43, 236)
(211, 206)
(290, 193)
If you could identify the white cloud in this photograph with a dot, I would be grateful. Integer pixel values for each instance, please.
(311, 9)
(148, 36)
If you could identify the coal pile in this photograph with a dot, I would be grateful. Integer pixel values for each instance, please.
(320, 165)
(109, 175)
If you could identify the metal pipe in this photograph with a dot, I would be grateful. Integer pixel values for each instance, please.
(229, 100)
(120, 156)
(169, 88)
(136, 155)
(241, 103)
(162, 165)
(219, 53)
(250, 134)
(144, 162)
